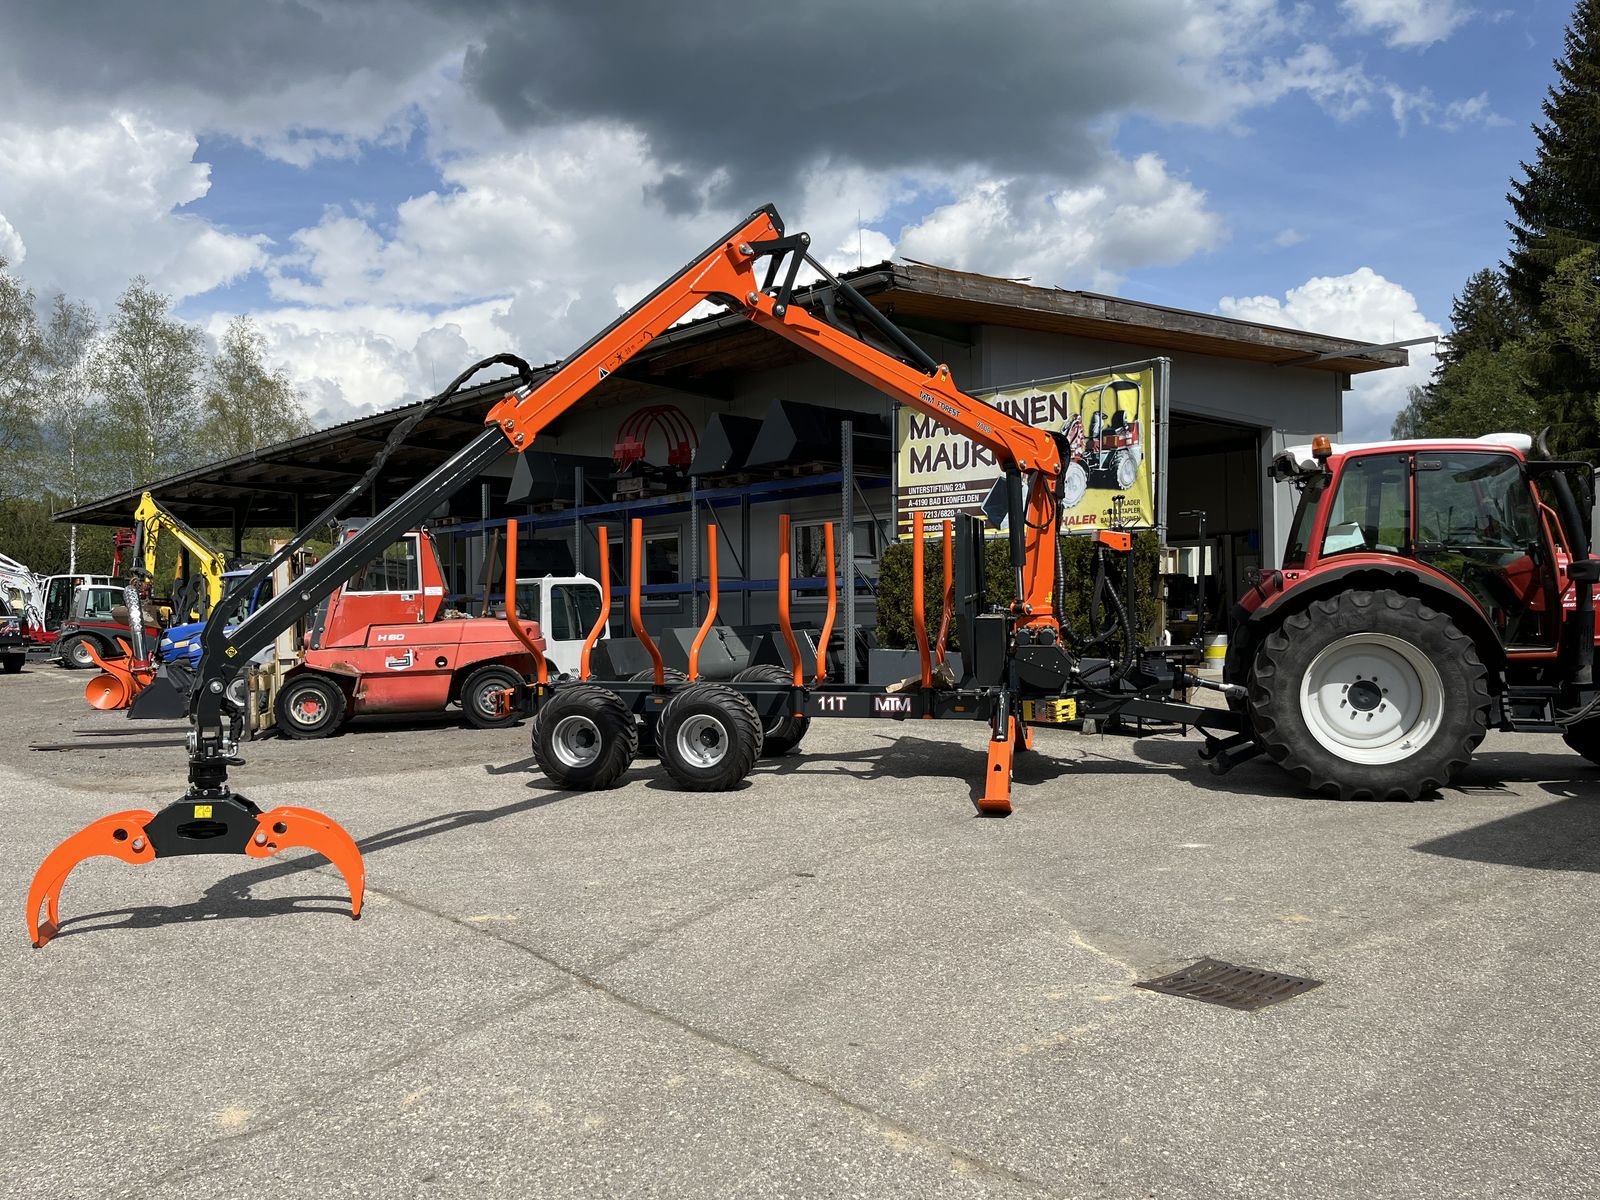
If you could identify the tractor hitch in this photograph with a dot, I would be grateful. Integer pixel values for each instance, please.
(197, 824)
(1224, 754)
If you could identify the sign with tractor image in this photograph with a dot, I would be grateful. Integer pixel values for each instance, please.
(1109, 420)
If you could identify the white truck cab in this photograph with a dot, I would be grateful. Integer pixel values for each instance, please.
(566, 608)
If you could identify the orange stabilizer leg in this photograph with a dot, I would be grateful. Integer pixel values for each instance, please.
(287, 826)
(996, 800)
(121, 835)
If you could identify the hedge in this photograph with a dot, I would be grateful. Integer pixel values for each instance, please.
(894, 586)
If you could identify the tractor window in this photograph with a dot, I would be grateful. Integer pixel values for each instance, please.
(1371, 511)
(395, 570)
(1305, 517)
(1476, 522)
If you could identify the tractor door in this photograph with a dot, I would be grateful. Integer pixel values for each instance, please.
(1477, 521)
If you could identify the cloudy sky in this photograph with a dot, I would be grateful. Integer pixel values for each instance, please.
(394, 187)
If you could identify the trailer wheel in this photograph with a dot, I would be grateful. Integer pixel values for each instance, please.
(585, 737)
(309, 706)
(647, 724)
(709, 737)
(74, 652)
(1369, 696)
(1584, 738)
(785, 731)
(477, 696)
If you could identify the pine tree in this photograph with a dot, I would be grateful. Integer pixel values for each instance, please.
(1557, 205)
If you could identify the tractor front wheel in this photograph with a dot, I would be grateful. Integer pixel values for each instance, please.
(74, 652)
(1369, 695)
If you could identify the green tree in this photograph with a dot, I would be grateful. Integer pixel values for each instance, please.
(19, 381)
(1557, 203)
(71, 414)
(247, 404)
(148, 368)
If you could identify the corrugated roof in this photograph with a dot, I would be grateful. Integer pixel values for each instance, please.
(283, 484)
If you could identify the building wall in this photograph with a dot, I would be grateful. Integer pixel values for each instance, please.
(1283, 405)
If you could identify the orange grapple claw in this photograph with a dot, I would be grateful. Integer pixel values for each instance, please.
(289, 826)
(121, 835)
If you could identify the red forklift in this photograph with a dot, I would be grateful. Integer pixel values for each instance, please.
(385, 643)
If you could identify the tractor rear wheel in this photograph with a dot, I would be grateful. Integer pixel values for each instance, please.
(585, 737)
(478, 694)
(1369, 695)
(709, 737)
(783, 732)
(310, 706)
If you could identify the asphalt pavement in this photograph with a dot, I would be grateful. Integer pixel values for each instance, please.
(836, 981)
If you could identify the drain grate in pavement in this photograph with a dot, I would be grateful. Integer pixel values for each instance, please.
(1216, 982)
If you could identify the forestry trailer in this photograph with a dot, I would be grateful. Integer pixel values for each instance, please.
(1022, 666)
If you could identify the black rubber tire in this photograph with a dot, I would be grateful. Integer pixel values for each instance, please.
(647, 725)
(12, 663)
(332, 703)
(1584, 739)
(1286, 653)
(729, 725)
(610, 724)
(489, 677)
(74, 654)
(785, 731)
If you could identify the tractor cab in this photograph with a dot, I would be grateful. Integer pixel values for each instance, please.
(1464, 514)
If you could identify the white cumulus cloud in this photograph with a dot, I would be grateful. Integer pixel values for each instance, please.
(1361, 305)
(1407, 23)
(96, 203)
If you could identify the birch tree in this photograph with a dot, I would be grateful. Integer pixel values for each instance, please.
(148, 369)
(19, 378)
(248, 404)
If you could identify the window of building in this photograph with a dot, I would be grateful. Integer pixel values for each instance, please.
(395, 570)
(810, 547)
(663, 564)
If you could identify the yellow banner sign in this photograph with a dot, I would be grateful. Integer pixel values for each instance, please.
(1109, 423)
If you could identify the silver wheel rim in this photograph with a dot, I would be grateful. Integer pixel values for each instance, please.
(575, 741)
(80, 654)
(702, 740)
(481, 698)
(1371, 698)
(312, 716)
(1074, 485)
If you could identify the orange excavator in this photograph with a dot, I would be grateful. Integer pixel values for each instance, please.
(1023, 667)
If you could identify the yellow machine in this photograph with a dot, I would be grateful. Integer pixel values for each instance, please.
(193, 595)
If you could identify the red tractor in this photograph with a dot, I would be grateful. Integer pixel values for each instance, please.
(384, 644)
(1430, 591)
